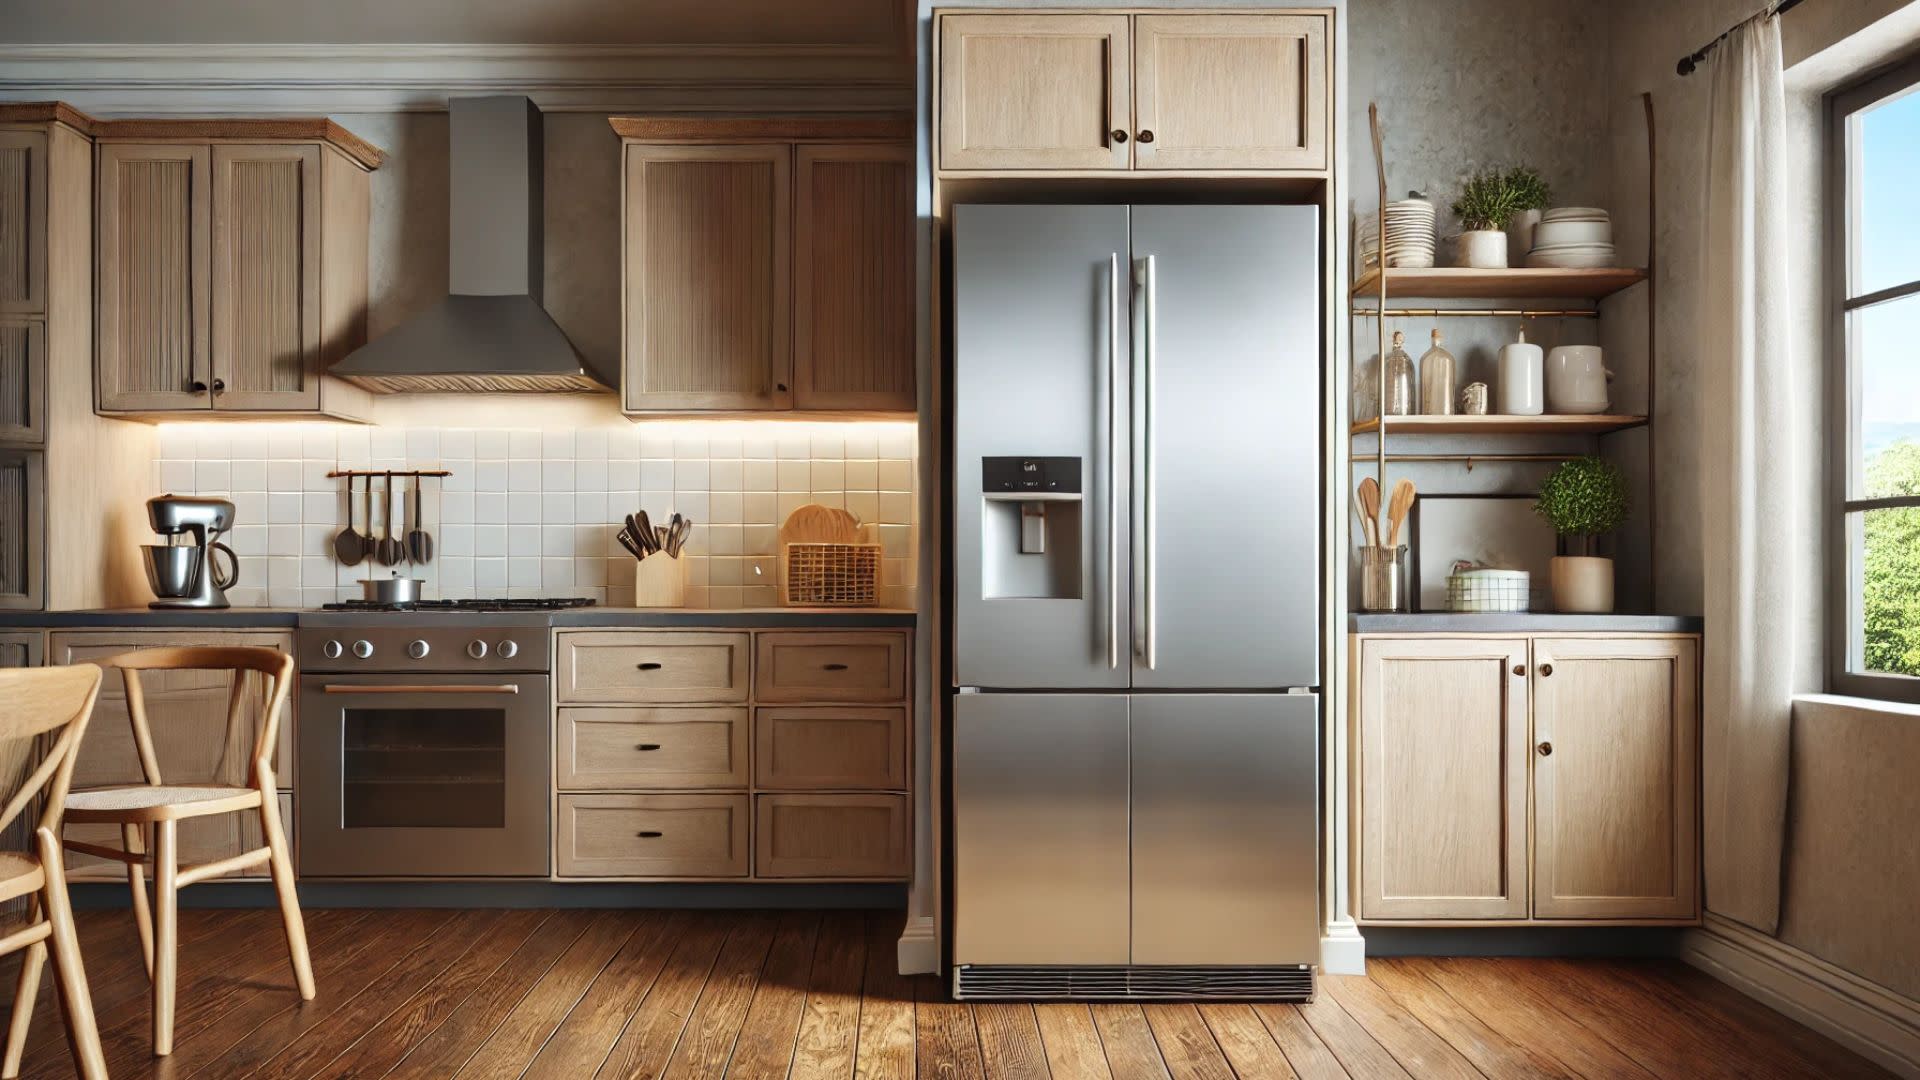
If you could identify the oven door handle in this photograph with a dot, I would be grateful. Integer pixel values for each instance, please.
(338, 688)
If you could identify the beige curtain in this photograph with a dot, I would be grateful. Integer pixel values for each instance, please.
(1750, 454)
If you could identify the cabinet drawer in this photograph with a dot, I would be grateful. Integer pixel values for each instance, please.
(651, 748)
(803, 666)
(830, 748)
(830, 836)
(652, 836)
(644, 667)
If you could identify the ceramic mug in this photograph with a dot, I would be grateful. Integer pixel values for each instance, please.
(1577, 379)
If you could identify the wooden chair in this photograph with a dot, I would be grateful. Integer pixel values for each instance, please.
(160, 806)
(35, 703)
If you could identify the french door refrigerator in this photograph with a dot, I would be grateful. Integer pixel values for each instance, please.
(1136, 623)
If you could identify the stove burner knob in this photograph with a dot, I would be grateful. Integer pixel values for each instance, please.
(477, 649)
(363, 648)
(418, 649)
(507, 650)
(332, 650)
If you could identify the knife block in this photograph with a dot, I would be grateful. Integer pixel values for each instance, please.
(659, 580)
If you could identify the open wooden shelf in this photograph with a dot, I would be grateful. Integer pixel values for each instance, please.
(1585, 424)
(1466, 283)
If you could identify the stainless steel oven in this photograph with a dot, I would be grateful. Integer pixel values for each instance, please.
(424, 747)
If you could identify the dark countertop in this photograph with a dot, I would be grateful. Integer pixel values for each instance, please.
(612, 617)
(1528, 622)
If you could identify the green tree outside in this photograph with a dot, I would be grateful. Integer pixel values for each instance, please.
(1891, 566)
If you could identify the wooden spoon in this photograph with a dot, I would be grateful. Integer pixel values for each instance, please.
(1369, 495)
(350, 547)
(1397, 509)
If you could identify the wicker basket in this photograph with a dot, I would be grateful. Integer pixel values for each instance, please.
(830, 575)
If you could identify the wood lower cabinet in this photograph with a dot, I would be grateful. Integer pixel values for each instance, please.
(1517, 779)
(187, 711)
(750, 768)
(21, 648)
(23, 497)
(1114, 92)
(232, 271)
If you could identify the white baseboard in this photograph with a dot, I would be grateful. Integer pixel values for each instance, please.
(919, 948)
(1865, 1017)
(1342, 950)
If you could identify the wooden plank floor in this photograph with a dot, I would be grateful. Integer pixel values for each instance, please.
(759, 995)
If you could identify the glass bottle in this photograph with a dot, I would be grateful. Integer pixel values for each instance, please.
(1439, 382)
(1399, 378)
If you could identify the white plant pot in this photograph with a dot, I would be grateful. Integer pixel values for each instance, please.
(1520, 236)
(1484, 249)
(1582, 584)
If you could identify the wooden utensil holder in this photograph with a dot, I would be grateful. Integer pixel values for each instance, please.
(659, 580)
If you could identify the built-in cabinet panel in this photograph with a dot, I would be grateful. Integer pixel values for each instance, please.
(1443, 769)
(668, 836)
(20, 648)
(849, 835)
(266, 276)
(1035, 92)
(1230, 92)
(1615, 735)
(153, 296)
(23, 381)
(23, 222)
(22, 528)
(708, 284)
(853, 335)
(677, 747)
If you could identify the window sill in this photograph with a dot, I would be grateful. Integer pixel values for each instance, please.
(1863, 704)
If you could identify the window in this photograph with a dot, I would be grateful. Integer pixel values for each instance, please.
(1875, 414)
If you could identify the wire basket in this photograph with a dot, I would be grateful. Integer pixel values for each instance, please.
(830, 575)
(1482, 590)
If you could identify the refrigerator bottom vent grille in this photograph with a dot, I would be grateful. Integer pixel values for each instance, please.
(1012, 982)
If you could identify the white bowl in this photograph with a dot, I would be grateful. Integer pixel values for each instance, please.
(1572, 260)
(1573, 213)
(1572, 231)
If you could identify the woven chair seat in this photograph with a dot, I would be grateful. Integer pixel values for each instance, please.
(153, 802)
(19, 875)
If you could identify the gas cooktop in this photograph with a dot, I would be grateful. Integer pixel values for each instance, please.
(544, 603)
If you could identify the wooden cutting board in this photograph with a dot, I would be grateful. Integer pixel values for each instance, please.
(816, 524)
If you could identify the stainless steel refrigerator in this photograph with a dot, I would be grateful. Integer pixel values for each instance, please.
(1136, 617)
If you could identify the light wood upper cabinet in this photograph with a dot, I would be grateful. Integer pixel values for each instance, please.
(853, 335)
(1035, 92)
(708, 279)
(1443, 766)
(23, 381)
(266, 276)
(1616, 736)
(23, 222)
(153, 232)
(1230, 92)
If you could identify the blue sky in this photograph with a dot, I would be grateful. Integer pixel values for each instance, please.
(1890, 255)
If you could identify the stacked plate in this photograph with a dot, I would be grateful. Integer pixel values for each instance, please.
(1573, 237)
(1409, 235)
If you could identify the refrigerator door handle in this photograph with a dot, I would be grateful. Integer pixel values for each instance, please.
(1113, 461)
(1149, 483)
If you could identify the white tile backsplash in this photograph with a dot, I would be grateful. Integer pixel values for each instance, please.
(531, 512)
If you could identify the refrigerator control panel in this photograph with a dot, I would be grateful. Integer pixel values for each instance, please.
(1029, 477)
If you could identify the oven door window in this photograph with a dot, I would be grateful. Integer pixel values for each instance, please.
(424, 768)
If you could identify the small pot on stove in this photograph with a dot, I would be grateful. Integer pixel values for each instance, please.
(392, 590)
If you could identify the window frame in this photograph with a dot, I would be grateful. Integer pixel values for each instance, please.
(1844, 586)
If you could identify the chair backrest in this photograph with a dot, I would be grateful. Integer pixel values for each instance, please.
(36, 703)
(275, 666)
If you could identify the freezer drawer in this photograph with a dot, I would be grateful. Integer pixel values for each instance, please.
(1225, 829)
(1040, 829)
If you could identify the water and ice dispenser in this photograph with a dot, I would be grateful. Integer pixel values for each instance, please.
(1030, 526)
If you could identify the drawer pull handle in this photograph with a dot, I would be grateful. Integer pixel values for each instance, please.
(650, 834)
(647, 746)
(834, 667)
(651, 665)
(1546, 669)
(1519, 669)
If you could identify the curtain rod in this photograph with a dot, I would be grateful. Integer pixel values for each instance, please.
(1692, 60)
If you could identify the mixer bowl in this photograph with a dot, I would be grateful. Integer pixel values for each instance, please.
(172, 572)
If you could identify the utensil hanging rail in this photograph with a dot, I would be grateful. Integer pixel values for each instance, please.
(1483, 313)
(388, 472)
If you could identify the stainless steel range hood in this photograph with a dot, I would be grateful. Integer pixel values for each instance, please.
(491, 335)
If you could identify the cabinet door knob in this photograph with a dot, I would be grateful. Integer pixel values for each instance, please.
(1519, 669)
(197, 386)
(1146, 135)
(780, 386)
(1545, 748)
(1118, 135)
(219, 386)
(1546, 669)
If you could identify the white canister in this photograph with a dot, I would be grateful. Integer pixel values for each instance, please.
(1576, 379)
(1521, 393)
(1520, 236)
(1484, 249)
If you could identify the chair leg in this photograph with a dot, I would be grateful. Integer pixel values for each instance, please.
(282, 867)
(166, 933)
(133, 837)
(83, 1034)
(26, 990)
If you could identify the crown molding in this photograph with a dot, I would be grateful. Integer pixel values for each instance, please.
(209, 79)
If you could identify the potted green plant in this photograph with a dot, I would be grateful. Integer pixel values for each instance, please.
(1582, 499)
(1532, 195)
(1487, 202)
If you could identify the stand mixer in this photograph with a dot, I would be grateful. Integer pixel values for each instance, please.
(183, 571)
